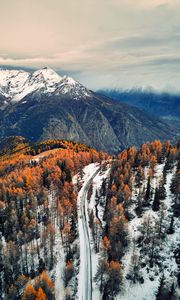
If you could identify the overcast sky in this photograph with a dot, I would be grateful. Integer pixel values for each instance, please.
(102, 43)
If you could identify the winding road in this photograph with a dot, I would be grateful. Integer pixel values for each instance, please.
(85, 283)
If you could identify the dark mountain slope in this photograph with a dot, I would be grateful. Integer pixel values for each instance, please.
(162, 105)
(43, 105)
(95, 120)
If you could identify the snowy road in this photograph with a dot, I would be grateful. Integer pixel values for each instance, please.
(85, 278)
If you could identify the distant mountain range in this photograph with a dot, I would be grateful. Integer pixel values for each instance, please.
(163, 104)
(43, 105)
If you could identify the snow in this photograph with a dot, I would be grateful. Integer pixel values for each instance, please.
(140, 291)
(96, 182)
(44, 154)
(16, 84)
(95, 174)
(44, 79)
(69, 86)
(2, 93)
(12, 82)
(82, 277)
(147, 290)
(60, 264)
(48, 74)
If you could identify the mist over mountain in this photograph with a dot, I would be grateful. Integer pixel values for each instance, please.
(164, 104)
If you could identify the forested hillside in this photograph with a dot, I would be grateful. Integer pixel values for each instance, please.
(131, 212)
(38, 208)
(139, 205)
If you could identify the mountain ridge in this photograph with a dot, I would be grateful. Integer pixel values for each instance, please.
(16, 84)
(61, 108)
(162, 104)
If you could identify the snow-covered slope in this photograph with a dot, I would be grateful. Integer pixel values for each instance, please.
(166, 262)
(16, 84)
(151, 253)
(69, 86)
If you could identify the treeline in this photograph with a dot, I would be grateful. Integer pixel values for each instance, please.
(18, 144)
(37, 198)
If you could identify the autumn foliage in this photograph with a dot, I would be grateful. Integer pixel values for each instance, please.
(37, 196)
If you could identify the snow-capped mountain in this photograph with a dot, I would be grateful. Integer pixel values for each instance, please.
(16, 84)
(69, 85)
(43, 105)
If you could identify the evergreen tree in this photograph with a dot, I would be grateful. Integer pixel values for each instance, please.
(156, 202)
(171, 227)
(171, 292)
(147, 196)
(159, 295)
(139, 208)
(175, 189)
(162, 191)
(101, 273)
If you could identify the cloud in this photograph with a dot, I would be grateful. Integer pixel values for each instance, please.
(104, 42)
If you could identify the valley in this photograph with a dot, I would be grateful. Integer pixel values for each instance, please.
(88, 226)
(90, 150)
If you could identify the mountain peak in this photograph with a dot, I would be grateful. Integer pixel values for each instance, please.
(16, 84)
(48, 74)
(72, 87)
(70, 80)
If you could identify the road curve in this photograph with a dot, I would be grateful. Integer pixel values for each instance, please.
(85, 248)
